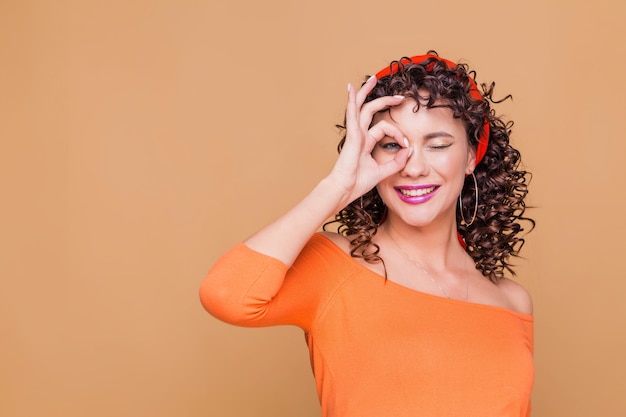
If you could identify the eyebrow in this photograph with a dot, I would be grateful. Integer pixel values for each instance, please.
(434, 135)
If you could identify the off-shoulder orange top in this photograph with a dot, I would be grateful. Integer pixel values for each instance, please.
(378, 348)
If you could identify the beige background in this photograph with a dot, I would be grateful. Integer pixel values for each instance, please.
(141, 139)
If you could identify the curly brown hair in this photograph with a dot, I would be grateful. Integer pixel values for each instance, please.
(495, 234)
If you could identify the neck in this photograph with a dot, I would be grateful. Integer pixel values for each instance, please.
(437, 246)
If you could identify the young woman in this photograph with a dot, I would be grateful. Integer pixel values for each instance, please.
(406, 308)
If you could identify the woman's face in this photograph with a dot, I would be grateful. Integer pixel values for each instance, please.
(426, 190)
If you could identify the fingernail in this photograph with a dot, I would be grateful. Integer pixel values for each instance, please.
(398, 96)
(373, 77)
(406, 142)
(349, 87)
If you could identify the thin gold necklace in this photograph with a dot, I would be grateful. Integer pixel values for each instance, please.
(419, 265)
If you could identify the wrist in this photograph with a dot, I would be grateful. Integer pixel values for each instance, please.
(333, 190)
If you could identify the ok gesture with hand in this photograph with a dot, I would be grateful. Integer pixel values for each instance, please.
(355, 170)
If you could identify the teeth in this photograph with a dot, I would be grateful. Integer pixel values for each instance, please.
(418, 192)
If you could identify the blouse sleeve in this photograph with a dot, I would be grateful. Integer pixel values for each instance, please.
(247, 288)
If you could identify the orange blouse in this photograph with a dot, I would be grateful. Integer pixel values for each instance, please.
(378, 348)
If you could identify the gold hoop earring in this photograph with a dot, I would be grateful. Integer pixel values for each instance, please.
(475, 203)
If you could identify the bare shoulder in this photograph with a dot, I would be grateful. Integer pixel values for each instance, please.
(517, 295)
(337, 239)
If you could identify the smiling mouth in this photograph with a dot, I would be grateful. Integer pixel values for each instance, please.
(416, 192)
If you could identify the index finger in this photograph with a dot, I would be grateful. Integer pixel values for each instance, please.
(384, 129)
(368, 110)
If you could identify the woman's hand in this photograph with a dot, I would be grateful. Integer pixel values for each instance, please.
(355, 170)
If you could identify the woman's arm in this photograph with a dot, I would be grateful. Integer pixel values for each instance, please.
(244, 287)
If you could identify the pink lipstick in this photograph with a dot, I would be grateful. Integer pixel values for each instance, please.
(416, 194)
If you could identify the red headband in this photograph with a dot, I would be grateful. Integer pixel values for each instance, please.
(483, 141)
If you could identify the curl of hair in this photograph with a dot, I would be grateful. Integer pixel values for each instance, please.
(495, 234)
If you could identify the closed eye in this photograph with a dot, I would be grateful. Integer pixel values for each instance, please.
(443, 146)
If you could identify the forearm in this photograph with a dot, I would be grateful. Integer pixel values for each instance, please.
(284, 238)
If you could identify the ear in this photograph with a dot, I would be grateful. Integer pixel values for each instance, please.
(470, 166)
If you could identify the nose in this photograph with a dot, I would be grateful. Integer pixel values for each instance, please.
(416, 165)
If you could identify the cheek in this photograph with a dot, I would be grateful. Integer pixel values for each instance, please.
(446, 164)
(386, 189)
